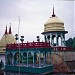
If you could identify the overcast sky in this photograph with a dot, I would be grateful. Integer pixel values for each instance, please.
(33, 14)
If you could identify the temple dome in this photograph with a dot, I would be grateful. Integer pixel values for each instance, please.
(7, 39)
(54, 20)
(54, 24)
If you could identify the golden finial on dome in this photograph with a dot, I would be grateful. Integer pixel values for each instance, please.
(10, 29)
(6, 30)
(53, 15)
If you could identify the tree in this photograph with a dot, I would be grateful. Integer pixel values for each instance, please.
(70, 42)
(74, 42)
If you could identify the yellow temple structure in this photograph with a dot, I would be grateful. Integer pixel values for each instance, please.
(7, 38)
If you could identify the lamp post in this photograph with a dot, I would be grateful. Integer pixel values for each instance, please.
(22, 39)
(16, 37)
(38, 38)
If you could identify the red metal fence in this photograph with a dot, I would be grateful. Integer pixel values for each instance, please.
(60, 48)
(29, 45)
(39, 45)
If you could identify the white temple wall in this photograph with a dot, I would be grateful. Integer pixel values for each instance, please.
(69, 56)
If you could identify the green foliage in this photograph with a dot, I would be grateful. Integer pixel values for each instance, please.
(74, 42)
(70, 42)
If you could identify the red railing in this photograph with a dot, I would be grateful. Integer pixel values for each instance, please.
(63, 48)
(39, 45)
(29, 45)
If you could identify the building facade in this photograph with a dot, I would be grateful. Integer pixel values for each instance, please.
(30, 57)
(54, 32)
(7, 38)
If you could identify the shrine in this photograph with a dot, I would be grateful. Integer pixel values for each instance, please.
(32, 57)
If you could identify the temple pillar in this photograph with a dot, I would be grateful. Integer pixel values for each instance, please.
(6, 58)
(63, 40)
(51, 36)
(46, 38)
(33, 59)
(47, 57)
(22, 59)
(27, 59)
(50, 58)
(13, 58)
(51, 39)
(57, 42)
(39, 59)
(44, 58)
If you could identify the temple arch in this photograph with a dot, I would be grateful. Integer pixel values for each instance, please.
(9, 57)
(53, 40)
(30, 58)
(59, 40)
(24, 58)
(17, 58)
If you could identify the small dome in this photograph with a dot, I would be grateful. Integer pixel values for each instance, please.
(7, 39)
(53, 20)
(54, 24)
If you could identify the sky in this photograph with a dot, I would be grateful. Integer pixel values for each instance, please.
(33, 15)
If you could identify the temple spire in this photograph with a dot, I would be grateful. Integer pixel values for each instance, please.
(53, 15)
(6, 30)
(10, 29)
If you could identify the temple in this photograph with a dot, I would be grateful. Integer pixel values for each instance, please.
(53, 29)
(39, 57)
(7, 38)
(33, 57)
